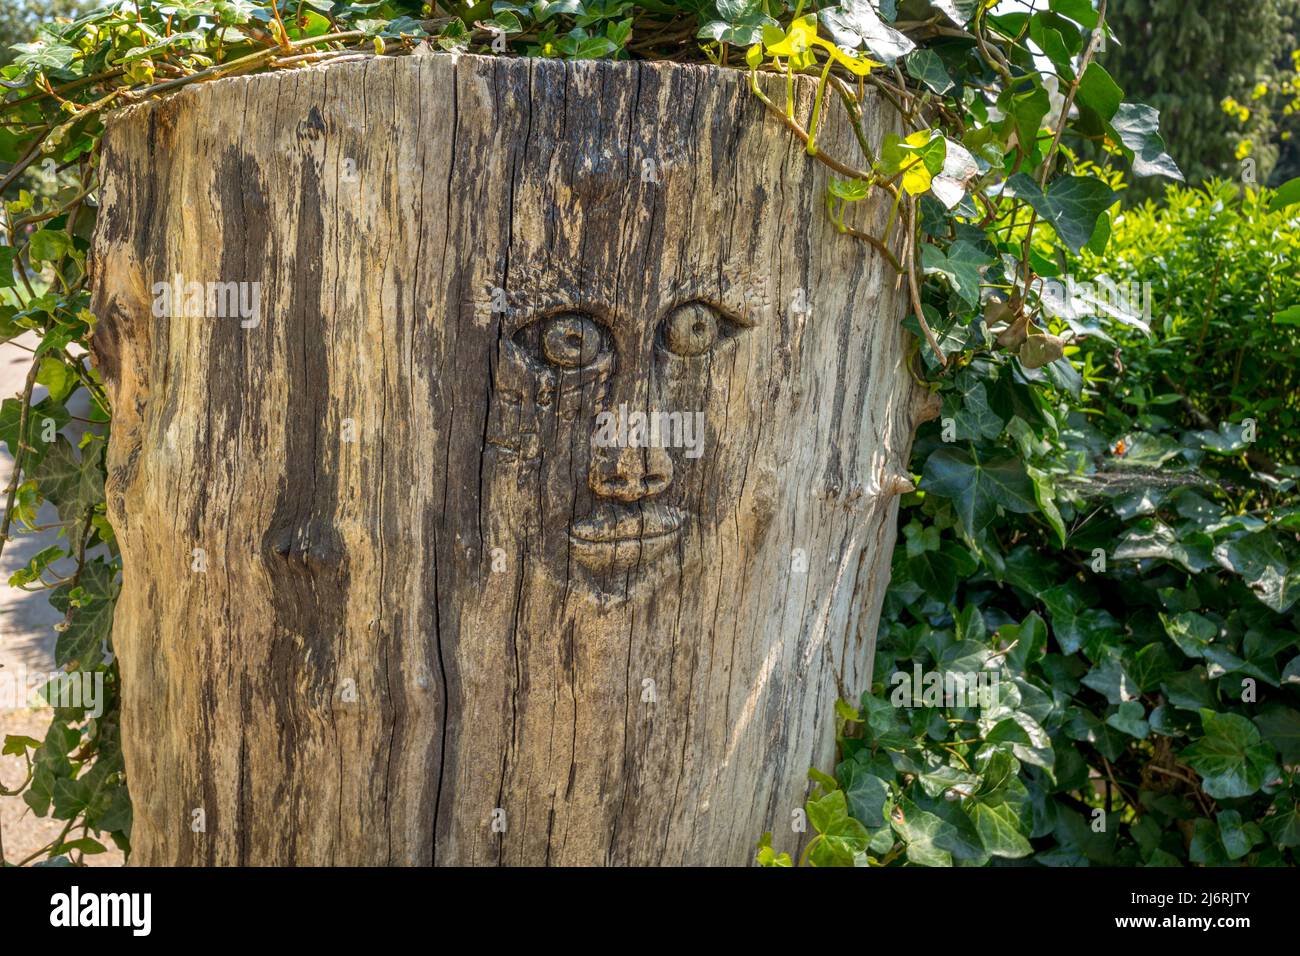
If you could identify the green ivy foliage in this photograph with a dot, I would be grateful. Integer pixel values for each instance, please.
(1117, 688)
(1124, 563)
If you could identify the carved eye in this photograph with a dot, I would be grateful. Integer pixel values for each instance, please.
(693, 329)
(569, 340)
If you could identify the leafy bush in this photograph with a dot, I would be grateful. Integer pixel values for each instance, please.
(1221, 267)
(1107, 549)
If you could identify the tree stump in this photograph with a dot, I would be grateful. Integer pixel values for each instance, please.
(505, 462)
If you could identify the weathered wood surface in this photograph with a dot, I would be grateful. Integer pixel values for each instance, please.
(407, 621)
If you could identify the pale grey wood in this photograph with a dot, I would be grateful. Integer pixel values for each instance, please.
(400, 635)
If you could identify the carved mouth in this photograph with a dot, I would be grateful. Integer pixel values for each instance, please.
(620, 538)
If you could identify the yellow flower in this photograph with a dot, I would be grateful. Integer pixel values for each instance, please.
(1244, 148)
(798, 39)
(857, 65)
(916, 178)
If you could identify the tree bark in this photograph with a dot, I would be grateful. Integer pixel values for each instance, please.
(395, 590)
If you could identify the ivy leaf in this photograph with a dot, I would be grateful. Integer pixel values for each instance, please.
(1205, 847)
(577, 45)
(19, 744)
(975, 418)
(850, 190)
(1232, 758)
(74, 484)
(1110, 678)
(1080, 11)
(842, 837)
(976, 487)
(1283, 826)
(1280, 726)
(232, 12)
(1192, 632)
(867, 796)
(958, 834)
(32, 571)
(959, 168)
(50, 764)
(1045, 495)
(962, 265)
(854, 24)
(46, 410)
(767, 857)
(999, 829)
(926, 66)
(1076, 622)
(919, 830)
(86, 637)
(1130, 719)
(1189, 690)
(1072, 204)
(958, 11)
(1138, 128)
(57, 377)
(1237, 838)
(1030, 636)
(1024, 116)
(543, 10)
(7, 278)
(44, 56)
(70, 797)
(919, 158)
(1228, 440)
(1043, 31)
(938, 571)
(1151, 665)
(1155, 539)
(86, 845)
(741, 24)
(1099, 92)
(1258, 558)
(48, 245)
(1029, 741)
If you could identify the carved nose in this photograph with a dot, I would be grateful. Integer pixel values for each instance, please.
(629, 474)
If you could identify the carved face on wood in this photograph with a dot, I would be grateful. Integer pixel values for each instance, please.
(646, 323)
(644, 327)
(614, 416)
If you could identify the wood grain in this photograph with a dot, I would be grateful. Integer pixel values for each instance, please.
(438, 623)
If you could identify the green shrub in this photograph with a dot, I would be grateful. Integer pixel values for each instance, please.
(1223, 277)
(1106, 546)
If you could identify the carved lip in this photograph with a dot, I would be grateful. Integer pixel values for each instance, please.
(620, 538)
